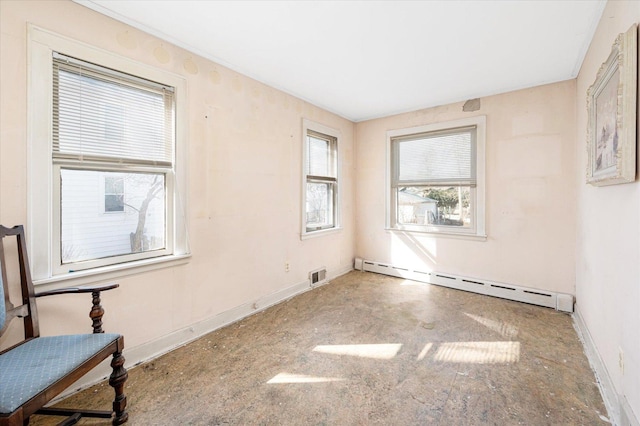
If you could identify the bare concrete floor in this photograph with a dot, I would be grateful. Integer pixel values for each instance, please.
(371, 349)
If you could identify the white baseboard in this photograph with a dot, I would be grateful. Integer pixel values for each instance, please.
(164, 344)
(627, 417)
(609, 394)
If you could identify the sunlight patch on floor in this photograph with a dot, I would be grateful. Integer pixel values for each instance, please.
(424, 351)
(375, 351)
(505, 329)
(479, 352)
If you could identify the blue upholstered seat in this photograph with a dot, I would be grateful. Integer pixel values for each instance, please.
(33, 366)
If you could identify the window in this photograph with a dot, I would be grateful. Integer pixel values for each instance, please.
(320, 185)
(107, 162)
(113, 193)
(436, 178)
(106, 123)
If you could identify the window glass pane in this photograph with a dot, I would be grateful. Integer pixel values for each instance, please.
(437, 206)
(319, 210)
(113, 184)
(113, 203)
(443, 157)
(89, 231)
(319, 157)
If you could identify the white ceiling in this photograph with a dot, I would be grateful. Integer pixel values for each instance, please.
(368, 59)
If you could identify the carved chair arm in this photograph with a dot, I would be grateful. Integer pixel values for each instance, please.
(96, 311)
(83, 289)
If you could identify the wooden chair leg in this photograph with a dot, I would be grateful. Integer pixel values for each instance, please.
(116, 380)
(96, 312)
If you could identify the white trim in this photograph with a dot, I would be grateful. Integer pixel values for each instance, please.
(320, 233)
(40, 199)
(166, 343)
(331, 132)
(440, 233)
(627, 417)
(480, 197)
(105, 273)
(603, 379)
(39, 114)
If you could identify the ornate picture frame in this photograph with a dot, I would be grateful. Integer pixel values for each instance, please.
(612, 105)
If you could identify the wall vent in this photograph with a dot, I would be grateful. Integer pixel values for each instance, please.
(559, 301)
(318, 276)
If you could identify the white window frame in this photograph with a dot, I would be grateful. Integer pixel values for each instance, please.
(43, 197)
(478, 195)
(308, 127)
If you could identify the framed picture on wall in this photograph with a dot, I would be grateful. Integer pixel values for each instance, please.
(612, 106)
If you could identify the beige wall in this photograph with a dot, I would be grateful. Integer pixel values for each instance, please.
(244, 149)
(530, 193)
(608, 235)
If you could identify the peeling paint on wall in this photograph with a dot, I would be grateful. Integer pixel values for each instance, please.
(471, 105)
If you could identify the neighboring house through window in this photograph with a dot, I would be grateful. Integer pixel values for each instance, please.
(436, 178)
(320, 179)
(112, 128)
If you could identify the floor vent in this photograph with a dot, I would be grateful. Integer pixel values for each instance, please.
(559, 301)
(318, 276)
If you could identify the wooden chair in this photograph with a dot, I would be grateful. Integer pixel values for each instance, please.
(38, 369)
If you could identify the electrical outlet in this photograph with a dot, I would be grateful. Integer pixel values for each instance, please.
(621, 360)
(287, 267)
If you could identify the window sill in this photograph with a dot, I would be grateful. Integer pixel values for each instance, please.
(110, 272)
(320, 233)
(453, 235)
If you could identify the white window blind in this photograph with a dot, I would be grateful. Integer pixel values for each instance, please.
(104, 115)
(319, 160)
(437, 159)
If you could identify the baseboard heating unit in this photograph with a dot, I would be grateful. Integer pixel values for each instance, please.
(559, 301)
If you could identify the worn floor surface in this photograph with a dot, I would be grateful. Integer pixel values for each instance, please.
(371, 349)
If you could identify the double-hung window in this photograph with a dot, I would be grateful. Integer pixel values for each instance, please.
(104, 189)
(320, 193)
(436, 178)
(110, 130)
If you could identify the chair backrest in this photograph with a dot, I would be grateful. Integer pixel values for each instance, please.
(27, 310)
